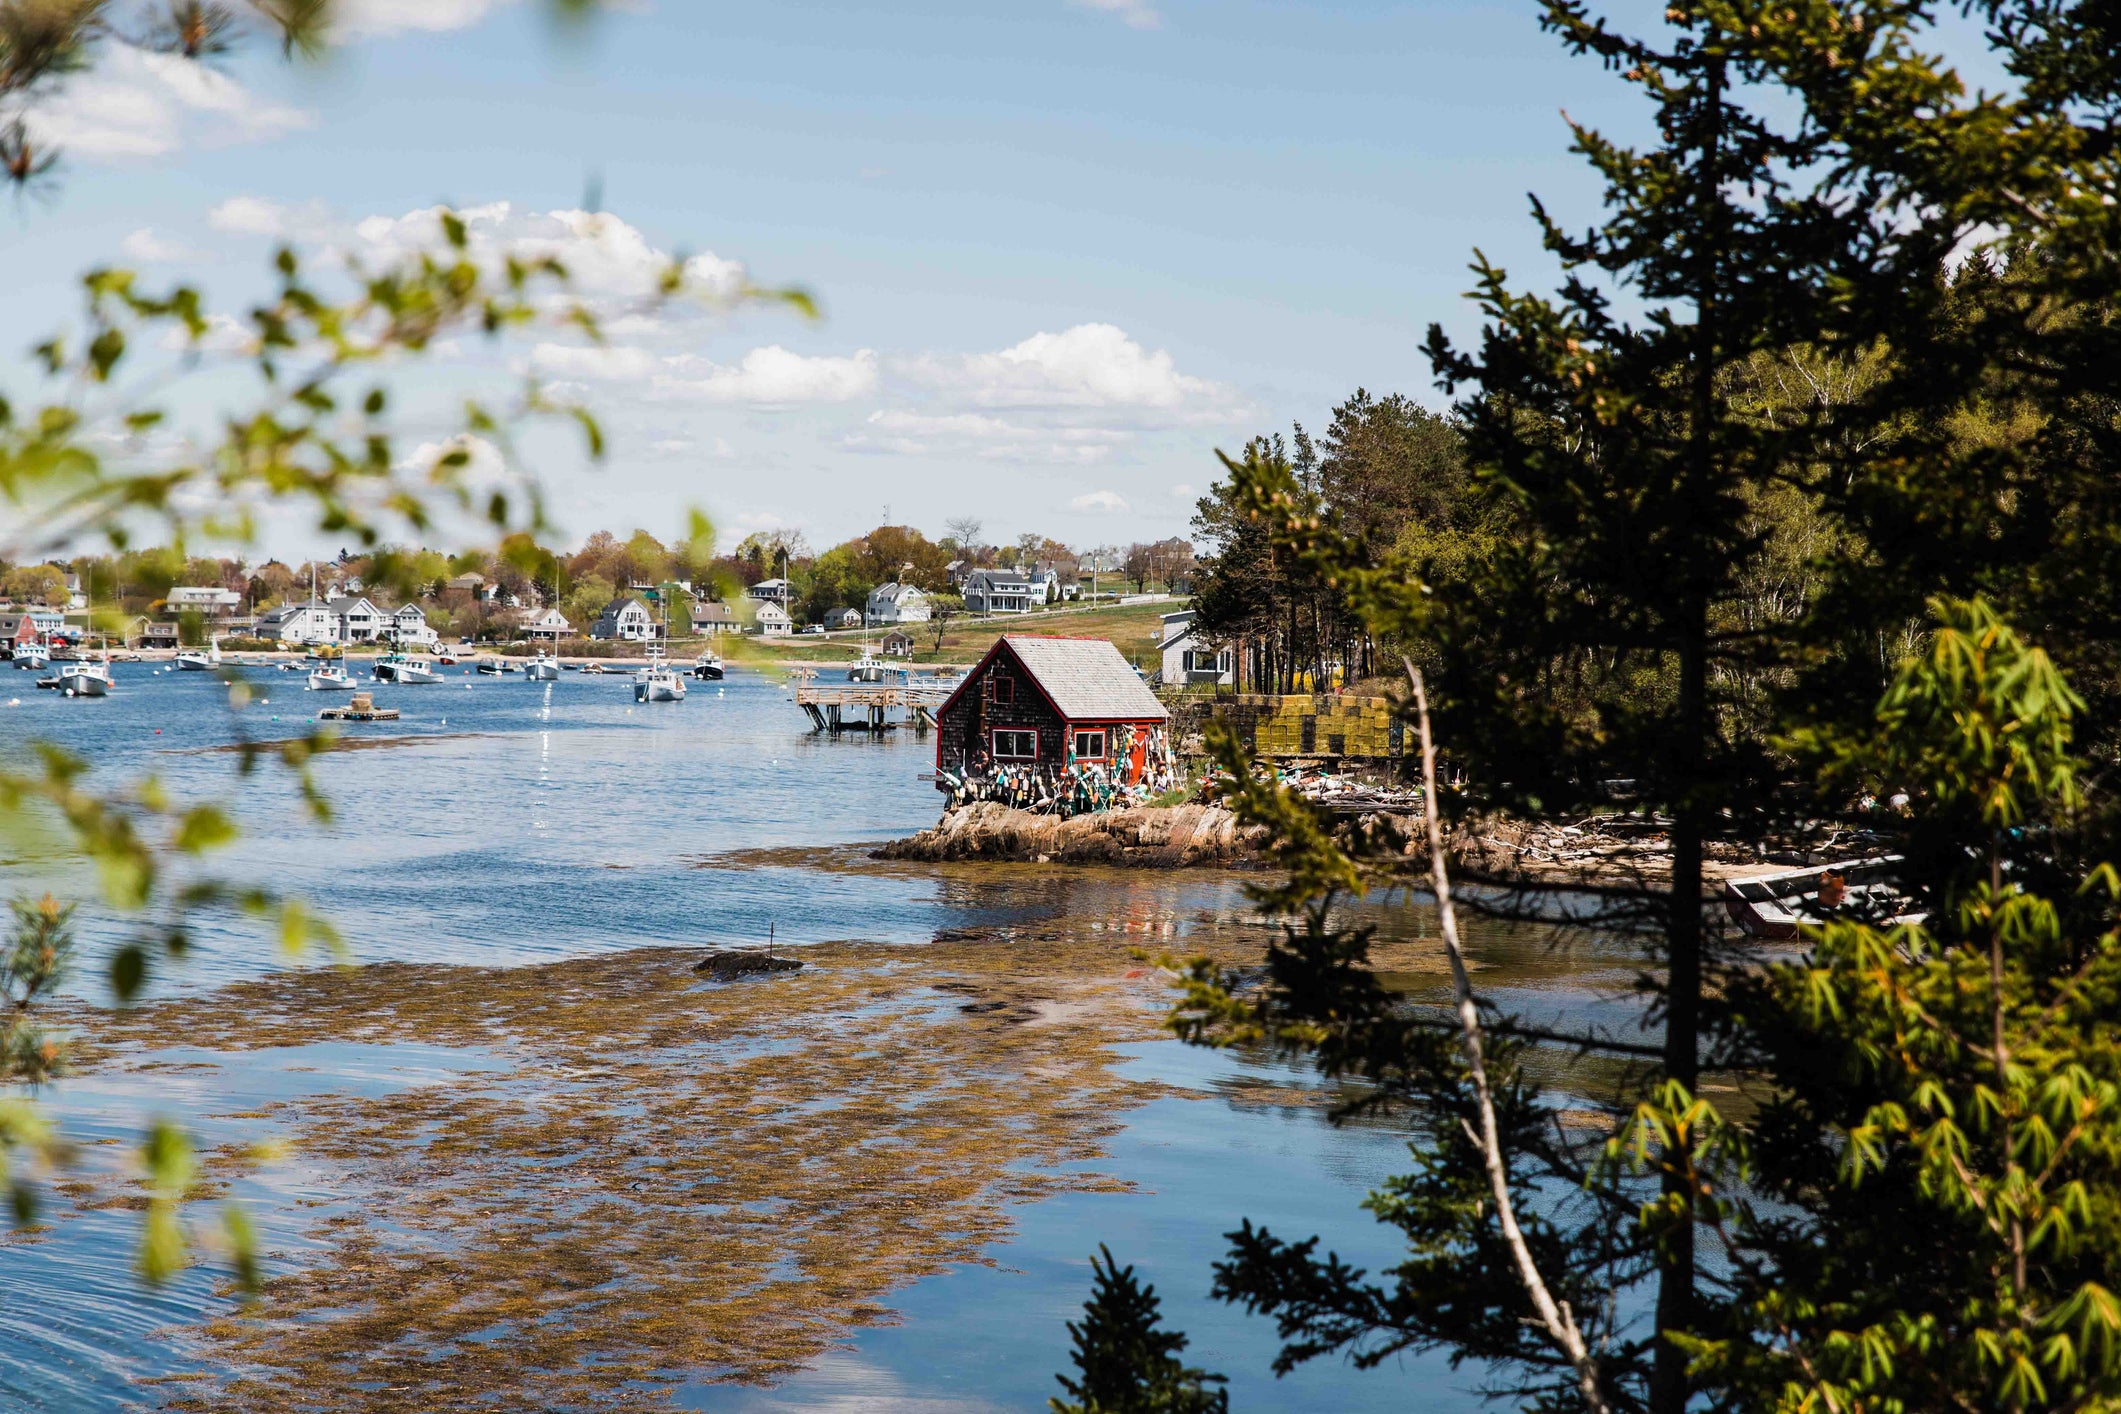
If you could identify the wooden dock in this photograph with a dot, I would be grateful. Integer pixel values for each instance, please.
(869, 707)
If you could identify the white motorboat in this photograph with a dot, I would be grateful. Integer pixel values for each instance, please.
(32, 655)
(494, 667)
(869, 668)
(191, 660)
(330, 678)
(543, 668)
(406, 672)
(707, 667)
(658, 682)
(90, 677)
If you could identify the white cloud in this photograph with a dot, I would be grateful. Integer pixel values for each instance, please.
(375, 18)
(1087, 366)
(136, 103)
(898, 432)
(255, 216)
(1102, 502)
(601, 363)
(1134, 12)
(776, 376)
(604, 256)
(145, 246)
(1185, 491)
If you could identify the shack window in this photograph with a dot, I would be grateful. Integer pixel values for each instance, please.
(1090, 746)
(1004, 687)
(1015, 746)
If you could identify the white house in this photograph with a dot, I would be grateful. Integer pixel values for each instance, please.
(896, 603)
(843, 618)
(770, 591)
(774, 621)
(359, 620)
(1000, 592)
(626, 618)
(313, 622)
(408, 625)
(1188, 661)
(210, 599)
(546, 624)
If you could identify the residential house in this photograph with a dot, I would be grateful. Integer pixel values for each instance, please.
(549, 625)
(1049, 704)
(152, 633)
(1187, 661)
(771, 591)
(897, 644)
(843, 618)
(999, 592)
(407, 624)
(208, 599)
(359, 620)
(774, 621)
(710, 618)
(33, 624)
(472, 584)
(628, 619)
(896, 603)
(313, 621)
(76, 594)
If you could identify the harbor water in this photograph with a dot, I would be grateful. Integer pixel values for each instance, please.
(504, 824)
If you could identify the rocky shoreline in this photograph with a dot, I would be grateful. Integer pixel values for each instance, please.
(1167, 837)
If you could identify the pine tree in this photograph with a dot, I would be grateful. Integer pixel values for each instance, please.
(1127, 1362)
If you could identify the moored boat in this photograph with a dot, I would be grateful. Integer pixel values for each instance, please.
(542, 668)
(1778, 905)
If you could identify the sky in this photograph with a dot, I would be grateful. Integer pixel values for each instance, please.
(1064, 250)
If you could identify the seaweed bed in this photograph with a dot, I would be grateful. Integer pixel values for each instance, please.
(672, 1180)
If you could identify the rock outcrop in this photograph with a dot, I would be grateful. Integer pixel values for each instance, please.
(1155, 837)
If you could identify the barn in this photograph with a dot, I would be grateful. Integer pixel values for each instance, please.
(1042, 720)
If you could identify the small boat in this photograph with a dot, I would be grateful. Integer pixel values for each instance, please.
(542, 668)
(1778, 905)
(494, 667)
(330, 678)
(32, 655)
(191, 660)
(447, 659)
(87, 678)
(658, 682)
(707, 667)
(405, 671)
(870, 668)
(594, 668)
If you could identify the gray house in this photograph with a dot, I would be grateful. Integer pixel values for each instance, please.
(628, 619)
(1001, 592)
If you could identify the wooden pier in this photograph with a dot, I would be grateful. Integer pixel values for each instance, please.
(869, 707)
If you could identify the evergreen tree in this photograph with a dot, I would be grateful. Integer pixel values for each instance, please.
(1127, 1362)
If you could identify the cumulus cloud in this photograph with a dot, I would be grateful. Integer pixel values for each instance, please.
(1087, 366)
(1135, 13)
(604, 255)
(774, 376)
(1102, 502)
(375, 18)
(255, 216)
(136, 103)
(603, 364)
(151, 249)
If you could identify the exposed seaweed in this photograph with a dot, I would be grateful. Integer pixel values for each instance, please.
(675, 1180)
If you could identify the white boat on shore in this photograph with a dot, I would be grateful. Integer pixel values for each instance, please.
(1777, 906)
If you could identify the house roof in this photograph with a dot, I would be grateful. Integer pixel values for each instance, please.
(1085, 679)
(619, 606)
(895, 592)
(706, 611)
(772, 611)
(1006, 581)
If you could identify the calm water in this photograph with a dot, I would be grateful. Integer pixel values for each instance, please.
(513, 822)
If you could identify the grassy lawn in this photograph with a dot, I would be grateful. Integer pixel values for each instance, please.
(1132, 627)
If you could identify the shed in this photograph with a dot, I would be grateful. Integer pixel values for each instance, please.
(897, 644)
(1048, 705)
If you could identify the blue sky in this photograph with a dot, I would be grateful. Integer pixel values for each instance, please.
(1064, 249)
